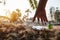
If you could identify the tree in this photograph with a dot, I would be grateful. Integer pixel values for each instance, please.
(52, 10)
(57, 15)
(40, 12)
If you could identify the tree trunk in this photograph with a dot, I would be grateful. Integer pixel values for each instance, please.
(40, 12)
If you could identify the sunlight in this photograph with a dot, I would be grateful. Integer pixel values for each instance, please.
(6, 11)
(12, 5)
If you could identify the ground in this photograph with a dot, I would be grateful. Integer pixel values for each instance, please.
(24, 31)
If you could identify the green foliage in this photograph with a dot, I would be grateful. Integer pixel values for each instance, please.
(50, 26)
(28, 10)
(33, 3)
(57, 16)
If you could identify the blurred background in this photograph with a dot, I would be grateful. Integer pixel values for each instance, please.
(7, 6)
